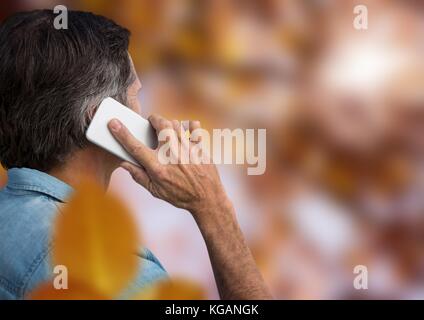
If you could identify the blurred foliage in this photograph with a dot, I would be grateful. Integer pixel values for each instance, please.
(75, 291)
(96, 239)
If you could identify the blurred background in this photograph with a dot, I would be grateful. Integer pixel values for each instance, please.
(344, 113)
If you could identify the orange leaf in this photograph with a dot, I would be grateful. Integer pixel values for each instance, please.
(75, 291)
(3, 177)
(96, 238)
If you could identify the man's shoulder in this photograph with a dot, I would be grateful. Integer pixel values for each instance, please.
(24, 200)
(25, 221)
(25, 214)
(25, 228)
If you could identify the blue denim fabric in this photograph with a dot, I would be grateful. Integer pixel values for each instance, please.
(28, 205)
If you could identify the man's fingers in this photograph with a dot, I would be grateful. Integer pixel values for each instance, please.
(143, 154)
(159, 123)
(163, 128)
(138, 174)
(177, 127)
(193, 125)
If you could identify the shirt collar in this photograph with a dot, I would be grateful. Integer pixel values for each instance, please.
(34, 180)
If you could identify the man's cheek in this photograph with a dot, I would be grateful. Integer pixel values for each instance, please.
(134, 104)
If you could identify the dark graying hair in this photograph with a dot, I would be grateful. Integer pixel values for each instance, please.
(50, 80)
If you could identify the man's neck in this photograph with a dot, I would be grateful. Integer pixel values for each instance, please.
(92, 163)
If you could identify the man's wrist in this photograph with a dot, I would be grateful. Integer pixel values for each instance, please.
(210, 211)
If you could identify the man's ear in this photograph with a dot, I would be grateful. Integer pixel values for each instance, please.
(91, 112)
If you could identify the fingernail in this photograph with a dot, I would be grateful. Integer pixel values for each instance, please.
(115, 125)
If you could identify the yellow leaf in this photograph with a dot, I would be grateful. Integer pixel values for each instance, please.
(75, 291)
(175, 289)
(96, 238)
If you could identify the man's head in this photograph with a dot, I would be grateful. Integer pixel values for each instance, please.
(52, 80)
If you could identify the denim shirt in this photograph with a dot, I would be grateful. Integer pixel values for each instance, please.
(28, 205)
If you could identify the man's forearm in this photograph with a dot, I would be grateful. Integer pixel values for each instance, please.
(198, 189)
(235, 271)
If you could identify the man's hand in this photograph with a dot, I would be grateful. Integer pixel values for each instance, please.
(197, 188)
(188, 186)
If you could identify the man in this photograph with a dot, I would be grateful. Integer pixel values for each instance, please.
(51, 82)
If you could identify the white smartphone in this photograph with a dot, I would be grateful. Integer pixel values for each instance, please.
(99, 134)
